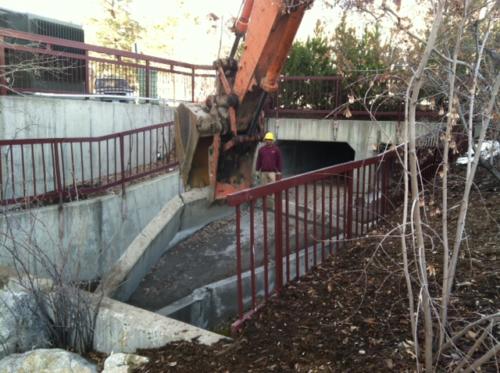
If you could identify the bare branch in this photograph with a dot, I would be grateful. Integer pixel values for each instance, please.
(474, 347)
(483, 359)
(462, 332)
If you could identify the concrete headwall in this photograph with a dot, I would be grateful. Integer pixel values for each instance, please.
(88, 236)
(39, 117)
(362, 135)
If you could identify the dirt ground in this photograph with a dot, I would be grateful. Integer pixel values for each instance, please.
(350, 313)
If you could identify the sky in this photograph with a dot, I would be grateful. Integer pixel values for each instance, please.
(79, 11)
(192, 43)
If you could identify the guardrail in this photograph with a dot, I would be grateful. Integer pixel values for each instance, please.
(307, 93)
(285, 228)
(37, 63)
(62, 169)
(324, 97)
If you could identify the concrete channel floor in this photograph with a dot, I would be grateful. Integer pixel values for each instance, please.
(202, 258)
(209, 254)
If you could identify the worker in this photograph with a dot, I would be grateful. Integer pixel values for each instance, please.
(269, 160)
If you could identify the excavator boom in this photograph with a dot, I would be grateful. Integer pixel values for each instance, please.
(216, 140)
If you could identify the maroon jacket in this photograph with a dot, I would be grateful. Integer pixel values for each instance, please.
(269, 159)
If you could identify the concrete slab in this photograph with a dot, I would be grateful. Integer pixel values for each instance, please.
(362, 135)
(23, 117)
(124, 328)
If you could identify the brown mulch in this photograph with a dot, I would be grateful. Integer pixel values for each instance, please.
(350, 313)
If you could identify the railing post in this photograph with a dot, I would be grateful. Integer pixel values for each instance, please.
(278, 241)
(87, 73)
(122, 163)
(385, 184)
(238, 263)
(57, 171)
(3, 81)
(148, 85)
(350, 180)
(339, 94)
(192, 84)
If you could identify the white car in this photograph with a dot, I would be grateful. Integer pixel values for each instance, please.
(489, 149)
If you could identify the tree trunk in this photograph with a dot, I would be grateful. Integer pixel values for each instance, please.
(414, 177)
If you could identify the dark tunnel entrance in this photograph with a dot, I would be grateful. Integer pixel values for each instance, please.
(304, 156)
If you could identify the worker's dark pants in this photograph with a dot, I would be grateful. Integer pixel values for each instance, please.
(266, 178)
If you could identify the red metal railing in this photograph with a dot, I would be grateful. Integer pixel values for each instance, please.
(40, 63)
(286, 228)
(308, 93)
(61, 169)
(323, 97)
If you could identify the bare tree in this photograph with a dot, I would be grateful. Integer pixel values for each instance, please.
(20, 68)
(61, 302)
(457, 65)
(49, 273)
(464, 99)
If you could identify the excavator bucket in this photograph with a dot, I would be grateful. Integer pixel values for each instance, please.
(194, 137)
(199, 145)
(235, 169)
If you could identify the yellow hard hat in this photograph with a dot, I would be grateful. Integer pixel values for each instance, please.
(269, 136)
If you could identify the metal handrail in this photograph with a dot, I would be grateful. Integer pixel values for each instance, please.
(62, 169)
(86, 62)
(283, 229)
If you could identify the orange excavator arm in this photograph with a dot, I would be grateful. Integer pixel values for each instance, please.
(216, 141)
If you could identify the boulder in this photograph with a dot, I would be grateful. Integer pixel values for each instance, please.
(123, 363)
(46, 361)
(20, 329)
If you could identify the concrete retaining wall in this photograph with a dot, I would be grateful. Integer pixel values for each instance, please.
(87, 236)
(179, 217)
(36, 117)
(40, 117)
(119, 327)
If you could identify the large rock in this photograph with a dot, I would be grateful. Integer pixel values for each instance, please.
(123, 363)
(46, 361)
(20, 329)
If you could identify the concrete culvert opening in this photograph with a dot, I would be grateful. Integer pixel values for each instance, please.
(304, 156)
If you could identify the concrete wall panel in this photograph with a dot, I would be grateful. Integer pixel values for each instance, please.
(39, 117)
(89, 236)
